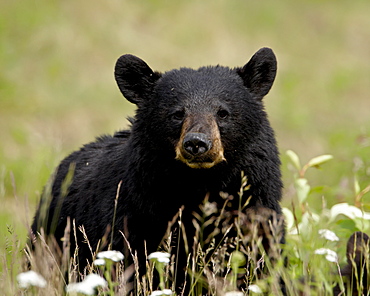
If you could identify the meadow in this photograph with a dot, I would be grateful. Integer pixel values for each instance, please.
(57, 92)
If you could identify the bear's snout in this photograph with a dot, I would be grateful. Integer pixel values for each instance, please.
(196, 144)
(199, 146)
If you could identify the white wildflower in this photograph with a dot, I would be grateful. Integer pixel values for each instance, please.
(88, 285)
(82, 288)
(255, 289)
(234, 293)
(160, 257)
(30, 278)
(329, 254)
(162, 292)
(95, 280)
(115, 256)
(164, 260)
(99, 262)
(329, 235)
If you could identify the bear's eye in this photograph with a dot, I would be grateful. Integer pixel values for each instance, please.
(178, 115)
(222, 113)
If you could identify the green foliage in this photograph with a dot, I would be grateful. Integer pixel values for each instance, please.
(314, 251)
(309, 236)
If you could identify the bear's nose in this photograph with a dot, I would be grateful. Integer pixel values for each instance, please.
(197, 143)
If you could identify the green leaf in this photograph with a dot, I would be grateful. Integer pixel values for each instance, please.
(302, 188)
(289, 218)
(318, 189)
(294, 159)
(319, 160)
(348, 225)
(362, 224)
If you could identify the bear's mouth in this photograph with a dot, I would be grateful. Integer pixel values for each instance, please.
(200, 165)
(204, 162)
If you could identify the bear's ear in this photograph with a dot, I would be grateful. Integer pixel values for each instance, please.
(134, 77)
(259, 73)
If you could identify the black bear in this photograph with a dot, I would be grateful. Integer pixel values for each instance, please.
(194, 133)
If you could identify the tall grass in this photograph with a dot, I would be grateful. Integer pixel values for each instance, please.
(237, 262)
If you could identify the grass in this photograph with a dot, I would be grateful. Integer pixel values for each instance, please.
(57, 89)
(232, 264)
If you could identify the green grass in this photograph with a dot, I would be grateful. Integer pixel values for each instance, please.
(57, 89)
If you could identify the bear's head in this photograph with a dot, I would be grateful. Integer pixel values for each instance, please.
(205, 116)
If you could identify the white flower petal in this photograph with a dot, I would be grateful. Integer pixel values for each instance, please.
(95, 280)
(163, 260)
(88, 285)
(234, 293)
(99, 262)
(82, 288)
(160, 257)
(321, 251)
(115, 256)
(255, 289)
(330, 255)
(30, 278)
(329, 235)
(161, 292)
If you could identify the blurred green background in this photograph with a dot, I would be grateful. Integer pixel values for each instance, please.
(57, 89)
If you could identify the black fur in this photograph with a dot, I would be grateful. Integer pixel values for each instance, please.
(355, 274)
